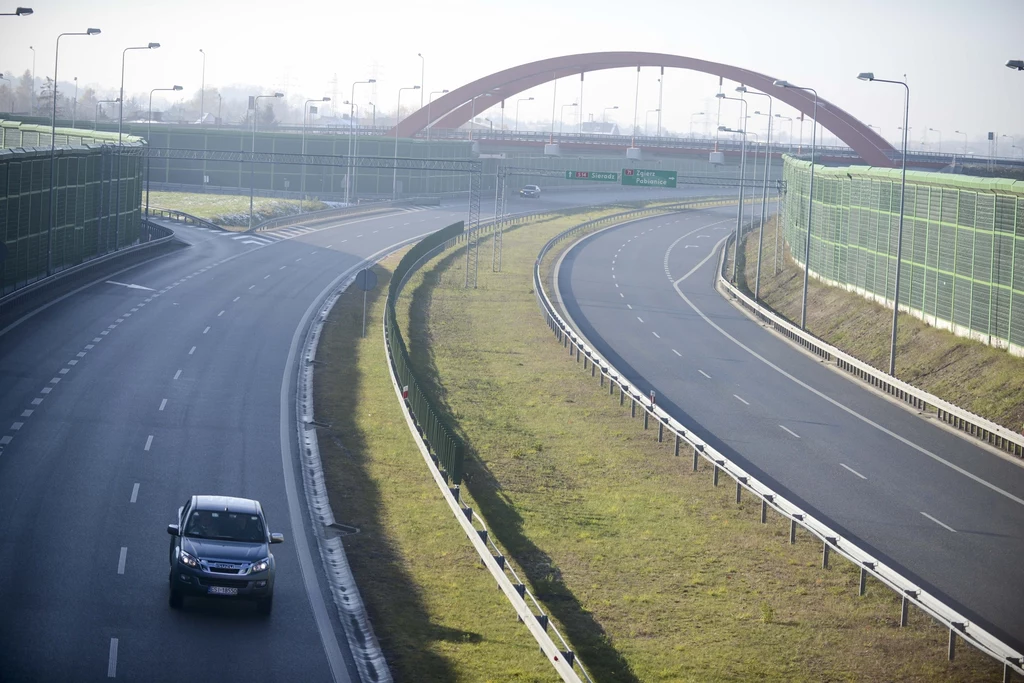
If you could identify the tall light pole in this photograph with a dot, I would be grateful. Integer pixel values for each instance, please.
(351, 131)
(521, 99)
(149, 135)
(74, 103)
(373, 121)
(647, 121)
(252, 157)
(429, 100)
(423, 73)
(561, 115)
(202, 92)
(32, 98)
(790, 119)
(764, 186)
(940, 138)
(53, 149)
(398, 118)
(868, 76)
(810, 196)
(11, 86)
(19, 12)
(96, 118)
(472, 115)
(743, 163)
(120, 121)
(871, 125)
(604, 113)
(696, 113)
(958, 132)
(305, 116)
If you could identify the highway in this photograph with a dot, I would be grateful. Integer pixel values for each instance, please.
(947, 513)
(121, 401)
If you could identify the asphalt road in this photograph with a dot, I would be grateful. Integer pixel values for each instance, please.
(121, 401)
(946, 512)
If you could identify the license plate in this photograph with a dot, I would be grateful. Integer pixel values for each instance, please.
(221, 590)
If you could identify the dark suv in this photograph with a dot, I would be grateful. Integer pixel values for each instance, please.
(531, 191)
(221, 547)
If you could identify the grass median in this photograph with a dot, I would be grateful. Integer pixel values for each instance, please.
(651, 572)
(229, 210)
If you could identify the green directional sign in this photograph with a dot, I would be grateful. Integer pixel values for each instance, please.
(639, 176)
(592, 175)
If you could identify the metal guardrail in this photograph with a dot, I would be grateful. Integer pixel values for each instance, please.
(182, 217)
(314, 216)
(957, 624)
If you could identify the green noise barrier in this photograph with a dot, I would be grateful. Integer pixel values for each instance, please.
(963, 243)
(439, 434)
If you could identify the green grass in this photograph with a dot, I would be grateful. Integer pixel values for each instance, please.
(230, 210)
(977, 377)
(653, 574)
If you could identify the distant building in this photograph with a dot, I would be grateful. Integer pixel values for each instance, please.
(600, 128)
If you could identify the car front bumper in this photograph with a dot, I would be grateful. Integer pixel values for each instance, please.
(191, 581)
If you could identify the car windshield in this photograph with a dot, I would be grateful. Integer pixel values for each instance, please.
(225, 526)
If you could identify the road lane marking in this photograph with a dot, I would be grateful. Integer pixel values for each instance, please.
(112, 659)
(46, 390)
(740, 399)
(149, 442)
(254, 286)
(237, 298)
(64, 371)
(163, 404)
(281, 268)
(80, 354)
(27, 413)
(638, 317)
(135, 492)
(850, 469)
(704, 373)
(96, 340)
(121, 560)
(264, 277)
(787, 429)
(944, 526)
(629, 306)
(73, 362)
(36, 401)
(677, 353)
(207, 329)
(656, 334)
(220, 314)
(5, 440)
(177, 374)
(16, 426)
(192, 350)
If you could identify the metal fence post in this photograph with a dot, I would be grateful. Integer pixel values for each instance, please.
(824, 554)
(905, 606)
(647, 417)
(792, 528)
(622, 395)
(864, 577)
(661, 431)
(764, 511)
(739, 491)
(677, 446)
(715, 479)
(632, 407)
(696, 456)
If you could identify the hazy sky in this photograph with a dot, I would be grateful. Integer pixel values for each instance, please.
(952, 51)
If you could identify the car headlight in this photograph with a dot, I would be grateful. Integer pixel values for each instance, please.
(187, 559)
(260, 566)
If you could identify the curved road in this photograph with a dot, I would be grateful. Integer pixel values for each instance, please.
(947, 512)
(121, 401)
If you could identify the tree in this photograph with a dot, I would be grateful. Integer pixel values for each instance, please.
(23, 93)
(267, 117)
(86, 104)
(46, 95)
(6, 98)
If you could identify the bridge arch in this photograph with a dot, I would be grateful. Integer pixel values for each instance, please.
(456, 108)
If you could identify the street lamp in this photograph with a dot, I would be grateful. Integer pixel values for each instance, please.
(11, 86)
(1013, 141)
(810, 195)
(252, 157)
(940, 138)
(696, 113)
(351, 131)
(398, 119)
(429, 100)
(764, 186)
(868, 76)
(19, 12)
(521, 99)
(1016, 64)
(202, 92)
(305, 109)
(373, 121)
(120, 121)
(74, 103)
(743, 163)
(561, 114)
(604, 113)
(647, 121)
(32, 98)
(960, 132)
(53, 148)
(96, 118)
(149, 135)
(790, 119)
(871, 125)
(423, 72)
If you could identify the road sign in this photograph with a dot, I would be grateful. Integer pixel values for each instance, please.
(592, 175)
(639, 176)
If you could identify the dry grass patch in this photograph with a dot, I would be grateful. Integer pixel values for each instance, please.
(229, 210)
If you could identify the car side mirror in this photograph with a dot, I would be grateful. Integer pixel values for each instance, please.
(172, 529)
(277, 538)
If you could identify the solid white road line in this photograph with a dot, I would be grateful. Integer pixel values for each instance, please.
(787, 429)
(944, 526)
(135, 492)
(149, 442)
(121, 560)
(740, 399)
(112, 659)
(163, 404)
(850, 469)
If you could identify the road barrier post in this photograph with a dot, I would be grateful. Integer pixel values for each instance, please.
(716, 475)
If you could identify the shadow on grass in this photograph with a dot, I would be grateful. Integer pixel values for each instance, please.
(393, 599)
(582, 631)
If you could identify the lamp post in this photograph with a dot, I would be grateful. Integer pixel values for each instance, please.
(604, 113)
(790, 119)
(959, 132)
(743, 163)
(302, 183)
(764, 186)
(11, 86)
(202, 92)
(868, 76)
(96, 118)
(696, 113)
(430, 99)
(871, 125)
(647, 121)
(74, 104)
(373, 121)
(561, 114)
(398, 119)
(53, 149)
(19, 12)
(252, 157)
(940, 138)
(120, 121)
(220, 105)
(423, 72)
(521, 99)
(810, 195)
(1013, 141)
(32, 95)
(351, 131)
(149, 135)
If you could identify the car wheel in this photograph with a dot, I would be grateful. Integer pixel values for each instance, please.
(264, 605)
(176, 600)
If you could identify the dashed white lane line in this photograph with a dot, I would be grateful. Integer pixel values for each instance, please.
(629, 306)
(27, 413)
(944, 526)
(16, 426)
(743, 401)
(149, 442)
(850, 469)
(46, 390)
(331, 245)
(177, 374)
(220, 314)
(72, 362)
(704, 373)
(4, 440)
(121, 560)
(254, 286)
(192, 350)
(80, 354)
(135, 492)
(112, 659)
(357, 237)
(264, 277)
(163, 404)
(207, 329)
(90, 346)
(638, 317)
(656, 334)
(787, 429)
(300, 258)
(281, 268)
(622, 295)
(64, 371)
(237, 298)
(677, 353)
(613, 277)
(55, 380)
(36, 401)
